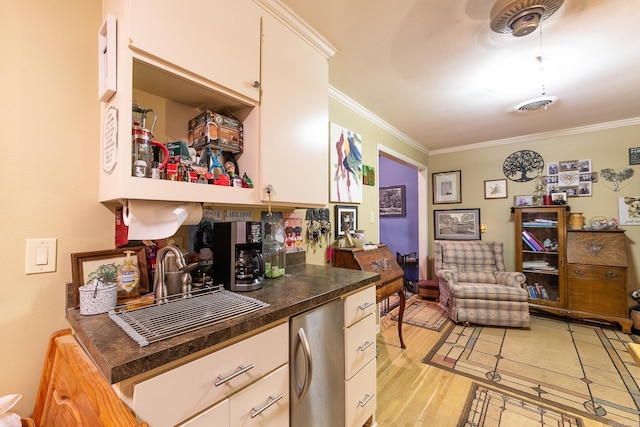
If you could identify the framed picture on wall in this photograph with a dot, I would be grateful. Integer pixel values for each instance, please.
(457, 224)
(446, 187)
(495, 189)
(346, 218)
(392, 201)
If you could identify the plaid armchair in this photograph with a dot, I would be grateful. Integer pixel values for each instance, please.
(474, 286)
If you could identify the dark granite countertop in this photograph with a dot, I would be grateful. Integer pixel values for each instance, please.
(303, 287)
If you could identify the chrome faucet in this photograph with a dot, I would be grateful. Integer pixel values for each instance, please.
(159, 285)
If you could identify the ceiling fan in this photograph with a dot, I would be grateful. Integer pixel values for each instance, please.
(521, 17)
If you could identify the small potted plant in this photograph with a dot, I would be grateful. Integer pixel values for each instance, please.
(104, 275)
(100, 294)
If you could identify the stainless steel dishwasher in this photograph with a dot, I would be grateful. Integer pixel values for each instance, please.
(316, 353)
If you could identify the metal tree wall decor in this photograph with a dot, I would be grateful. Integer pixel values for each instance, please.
(519, 164)
(616, 177)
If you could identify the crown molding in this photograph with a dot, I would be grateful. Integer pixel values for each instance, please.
(542, 135)
(359, 109)
(353, 105)
(292, 21)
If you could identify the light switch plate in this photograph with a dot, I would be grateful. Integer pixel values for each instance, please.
(41, 256)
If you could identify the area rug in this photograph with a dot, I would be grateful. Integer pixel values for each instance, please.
(567, 365)
(424, 314)
(489, 407)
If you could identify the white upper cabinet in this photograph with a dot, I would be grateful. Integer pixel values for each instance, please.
(182, 58)
(218, 40)
(294, 117)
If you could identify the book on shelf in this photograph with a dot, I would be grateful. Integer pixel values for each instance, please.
(542, 291)
(546, 221)
(532, 240)
(536, 263)
(527, 244)
(537, 291)
(538, 266)
(533, 236)
(540, 223)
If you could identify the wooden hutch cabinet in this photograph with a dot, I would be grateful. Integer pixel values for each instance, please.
(541, 255)
(581, 274)
(597, 276)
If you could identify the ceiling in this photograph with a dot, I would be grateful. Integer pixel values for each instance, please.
(434, 71)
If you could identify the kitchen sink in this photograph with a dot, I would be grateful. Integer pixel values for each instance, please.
(182, 313)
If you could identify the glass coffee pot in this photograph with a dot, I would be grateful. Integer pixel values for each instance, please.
(145, 162)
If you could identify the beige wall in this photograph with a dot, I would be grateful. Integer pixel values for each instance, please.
(605, 148)
(50, 121)
(372, 136)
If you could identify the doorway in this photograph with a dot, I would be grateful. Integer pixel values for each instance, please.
(405, 234)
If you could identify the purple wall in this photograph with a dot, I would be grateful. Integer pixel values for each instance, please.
(400, 233)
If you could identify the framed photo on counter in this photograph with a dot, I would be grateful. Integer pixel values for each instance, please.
(83, 264)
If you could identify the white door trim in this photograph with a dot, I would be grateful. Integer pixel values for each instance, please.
(423, 202)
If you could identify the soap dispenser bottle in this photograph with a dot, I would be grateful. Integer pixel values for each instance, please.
(128, 278)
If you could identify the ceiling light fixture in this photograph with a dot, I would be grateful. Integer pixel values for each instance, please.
(535, 104)
(543, 102)
(521, 17)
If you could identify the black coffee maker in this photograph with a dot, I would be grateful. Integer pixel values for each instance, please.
(238, 263)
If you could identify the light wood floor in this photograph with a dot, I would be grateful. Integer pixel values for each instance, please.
(412, 393)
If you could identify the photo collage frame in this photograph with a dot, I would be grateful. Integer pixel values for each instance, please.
(574, 178)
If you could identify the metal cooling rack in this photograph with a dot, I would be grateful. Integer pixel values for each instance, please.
(181, 314)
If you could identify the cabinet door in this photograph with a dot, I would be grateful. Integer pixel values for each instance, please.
(180, 393)
(217, 415)
(597, 289)
(359, 305)
(360, 402)
(359, 345)
(265, 403)
(294, 117)
(218, 40)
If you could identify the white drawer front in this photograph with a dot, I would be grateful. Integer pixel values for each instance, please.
(359, 345)
(172, 397)
(217, 415)
(359, 305)
(361, 398)
(267, 401)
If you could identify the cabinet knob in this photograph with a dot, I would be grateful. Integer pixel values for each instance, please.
(578, 271)
(255, 84)
(610, 274)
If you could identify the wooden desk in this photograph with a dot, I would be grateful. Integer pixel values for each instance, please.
(377, 261)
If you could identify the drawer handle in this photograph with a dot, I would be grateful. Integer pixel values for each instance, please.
(366, 345)
(364, 306)
(270, 402)
(578, 271)
(610, 274)
(366, 399)
(241, 370)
